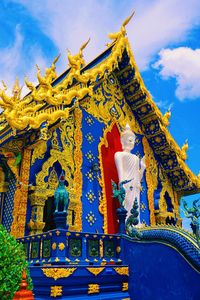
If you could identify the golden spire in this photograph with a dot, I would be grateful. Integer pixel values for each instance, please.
(16, 91)
(184, 150)
(76, 62)
(166, 117)
(122, 31)
(83, 47)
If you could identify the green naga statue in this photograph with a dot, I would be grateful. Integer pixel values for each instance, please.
(61, 196)
(120, 193)
(133, 221)
(193, 213)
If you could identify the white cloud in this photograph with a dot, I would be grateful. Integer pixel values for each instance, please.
(10, 58)
(155, 24)
(13, 63)
(183, 64)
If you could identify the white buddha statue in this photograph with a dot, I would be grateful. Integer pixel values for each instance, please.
(129, 166)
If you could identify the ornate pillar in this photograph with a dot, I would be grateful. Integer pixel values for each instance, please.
(20, 197)
(36, 223)
(3, 184)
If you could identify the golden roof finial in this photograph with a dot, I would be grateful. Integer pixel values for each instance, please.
(56, 59)
(50, 73)
(76, 61)
(16, 91)
(4, 85)
(122, 31)
(166, 117)
(83, 47)
(184, 150)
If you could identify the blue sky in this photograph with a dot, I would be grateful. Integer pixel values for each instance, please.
(164, 36)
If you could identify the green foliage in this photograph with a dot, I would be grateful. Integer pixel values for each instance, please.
(12, 263)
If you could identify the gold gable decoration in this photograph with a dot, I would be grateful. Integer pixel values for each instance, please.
(51, 103)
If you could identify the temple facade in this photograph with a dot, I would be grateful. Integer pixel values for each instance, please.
(72, 124)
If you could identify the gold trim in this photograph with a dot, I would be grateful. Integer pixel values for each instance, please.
(56, 290)
(151, 177)
(93, 288)
(57, 273)
(124, 286)
(20, 197)
(122, 270)
(95, 271)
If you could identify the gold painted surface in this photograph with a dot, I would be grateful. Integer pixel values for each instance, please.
(95, 271)
(78, 181)
(163, 213)
(124, 286)
(151, 177)
(122, 270)
(61, 246)
(20, 197)
(54, 246)
(57, 273)
(100, 248)
(113, 107)
(56, 291)
(93, 288)
(39, 151)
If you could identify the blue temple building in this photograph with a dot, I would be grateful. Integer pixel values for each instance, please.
(71, 124)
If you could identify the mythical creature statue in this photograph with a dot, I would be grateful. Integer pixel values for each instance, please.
(133, 221)
(193, 213)
(130, 168)
(76, 62)
(61, 196)
(122, 31)
(166, 117)
(8, 102)
(120, 193)
(184, 149)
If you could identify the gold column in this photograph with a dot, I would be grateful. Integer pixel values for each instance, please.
(20, 197)
(36, 223)
(3, 184)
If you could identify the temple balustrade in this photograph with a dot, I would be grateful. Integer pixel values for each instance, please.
(66, 247)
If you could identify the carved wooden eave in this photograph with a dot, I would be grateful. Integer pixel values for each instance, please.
(119, 60)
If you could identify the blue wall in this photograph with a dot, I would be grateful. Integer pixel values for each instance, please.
(9, 203)
(159, 272)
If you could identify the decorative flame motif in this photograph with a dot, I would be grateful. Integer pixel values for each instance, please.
(57, 273)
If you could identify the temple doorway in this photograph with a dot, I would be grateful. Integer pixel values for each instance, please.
(168, 201)
(49, 209)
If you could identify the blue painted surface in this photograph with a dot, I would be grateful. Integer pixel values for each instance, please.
(92, 130)
(9, 204)
(76, 286)
(159, 272)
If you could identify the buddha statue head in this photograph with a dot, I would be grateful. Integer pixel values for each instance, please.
(127, 139)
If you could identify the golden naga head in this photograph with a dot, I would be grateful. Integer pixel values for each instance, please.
(122, 31)
(76, 61)
(10, 101)
(16, 91)
(166, 117)
(50, 73)
(184, 150)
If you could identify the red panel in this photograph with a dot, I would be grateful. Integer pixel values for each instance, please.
(110, 173)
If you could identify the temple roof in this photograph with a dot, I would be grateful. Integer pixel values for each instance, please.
(54, 97)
